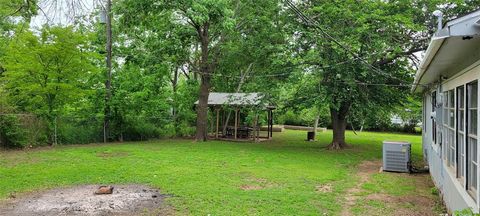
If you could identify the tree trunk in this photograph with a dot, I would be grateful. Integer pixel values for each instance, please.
(174, 100)
(205, 75)
(202, 109)
(339, 125)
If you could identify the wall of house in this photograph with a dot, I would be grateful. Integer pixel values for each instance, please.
(444, 176)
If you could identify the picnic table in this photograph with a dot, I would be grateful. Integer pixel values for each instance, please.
(242, 131)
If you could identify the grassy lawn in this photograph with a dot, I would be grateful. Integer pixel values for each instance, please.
(280, 177)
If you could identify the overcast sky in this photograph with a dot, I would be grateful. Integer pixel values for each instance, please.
(62, 11)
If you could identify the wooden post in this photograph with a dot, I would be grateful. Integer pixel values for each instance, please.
(257, 129)
(218, 119)
(211, 121)
(236, 122)
(254, 128)
(268, 123)
(271, 123)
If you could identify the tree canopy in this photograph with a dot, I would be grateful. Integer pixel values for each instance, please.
(344, 64)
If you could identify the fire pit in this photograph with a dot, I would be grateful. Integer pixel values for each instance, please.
(79, 200)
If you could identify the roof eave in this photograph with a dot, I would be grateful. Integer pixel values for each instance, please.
(433, 48)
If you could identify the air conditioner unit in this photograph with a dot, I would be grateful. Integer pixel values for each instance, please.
(396, 156)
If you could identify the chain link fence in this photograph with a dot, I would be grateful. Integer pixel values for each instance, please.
(27, 130)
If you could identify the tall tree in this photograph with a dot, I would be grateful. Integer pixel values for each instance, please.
(43, 74)
(227, 34)
(209, 19)
(363, 52)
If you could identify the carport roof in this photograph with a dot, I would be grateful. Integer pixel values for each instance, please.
(235, 99)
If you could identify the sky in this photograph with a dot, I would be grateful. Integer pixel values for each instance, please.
(62, 12)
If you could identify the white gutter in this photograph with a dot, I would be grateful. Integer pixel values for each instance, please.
(430, 54)
(441, 35)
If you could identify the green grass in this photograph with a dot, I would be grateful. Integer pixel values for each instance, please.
(207, 178)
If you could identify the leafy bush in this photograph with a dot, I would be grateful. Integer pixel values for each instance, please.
(76, 133)
(12, 135)
(304, 117)
(185, 130)
(465, 212)
(167, 130)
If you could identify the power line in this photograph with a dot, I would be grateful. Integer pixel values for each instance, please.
(344, 47)
(330, 82)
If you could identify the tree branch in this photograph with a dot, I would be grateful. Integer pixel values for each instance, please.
(390, 58)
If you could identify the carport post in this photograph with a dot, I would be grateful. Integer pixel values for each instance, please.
(257, 129)
(236, 122)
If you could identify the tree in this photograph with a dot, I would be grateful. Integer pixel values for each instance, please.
(227, 37)
(363, 53)
(209, 19)
(161, 51)
(14, 13)
(45, 73)
(410, 112)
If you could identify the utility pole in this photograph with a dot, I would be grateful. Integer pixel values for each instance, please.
(108, 81)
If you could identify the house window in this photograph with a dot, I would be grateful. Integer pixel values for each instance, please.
(449, 127)
(434, 124)
(472, 161)
(460, 133)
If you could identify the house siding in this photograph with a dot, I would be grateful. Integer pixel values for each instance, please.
(445, 178)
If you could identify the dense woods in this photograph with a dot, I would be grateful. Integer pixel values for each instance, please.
(343, 64)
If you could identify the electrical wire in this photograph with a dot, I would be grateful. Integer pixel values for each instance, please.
(316, 25)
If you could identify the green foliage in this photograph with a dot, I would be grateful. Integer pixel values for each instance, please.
(12, 135)
(434, 191)
(305, 117)
(45, 74)
(72, 130)
(465, 212)
(358, 53)
(57, 73)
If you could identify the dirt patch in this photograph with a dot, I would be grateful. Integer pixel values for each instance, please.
(251, 187)
(410, 205)
(364, 171)
(254, 183)
(417, 202)
(325, 188)
(80, 200)
(112, 154)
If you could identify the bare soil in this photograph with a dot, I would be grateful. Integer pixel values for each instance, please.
(412, 205)
(81, 200)
(324, 188)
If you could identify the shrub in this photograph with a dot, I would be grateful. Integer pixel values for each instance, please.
(12, 135)
(185, 130)
(167, 130)
(77, 133)
(465, 212)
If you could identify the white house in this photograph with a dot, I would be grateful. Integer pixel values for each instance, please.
(448, 77)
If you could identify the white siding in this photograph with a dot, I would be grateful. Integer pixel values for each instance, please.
(451, 187)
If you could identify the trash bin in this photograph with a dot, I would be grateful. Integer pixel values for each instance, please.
(310, 136)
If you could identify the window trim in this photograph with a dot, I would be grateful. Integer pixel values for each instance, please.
(460, 155)
(473, 192)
